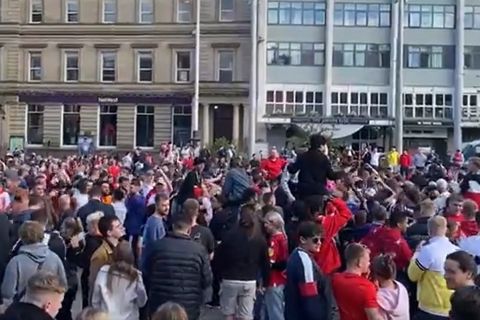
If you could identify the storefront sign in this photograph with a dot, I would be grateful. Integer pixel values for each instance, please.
(427, 123)
(94, 98)
(107, 100)
(331, 120)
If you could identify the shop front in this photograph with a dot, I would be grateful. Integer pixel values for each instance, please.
(55, 120)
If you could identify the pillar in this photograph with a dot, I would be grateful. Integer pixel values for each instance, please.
(327, 98)
(459, 71)
(206, 124)
(236, 124)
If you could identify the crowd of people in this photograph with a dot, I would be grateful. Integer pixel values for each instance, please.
(368, 235)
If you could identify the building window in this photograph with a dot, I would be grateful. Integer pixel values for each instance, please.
(472, 17)
(226, 10)
(362, 15)
(71, 11)
(109, 11)
(108, 126)
(183, 66)
(361, 55)
(145, 11)
(145, 67)
(288, 53)
(184, 11)
(226, 61)
(360, 104)
(35, 124)
(108, 67)
(296, 13)
(427, 106)
(35, 66)
(472, 57)
(71, 66)
(430, 16)
(144, 126)
(292, 102)
(182, 125)
(36, 11)
(71, 125)
(430, 57)
(470, 108)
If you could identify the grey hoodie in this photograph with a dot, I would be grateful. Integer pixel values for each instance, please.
(25, 264)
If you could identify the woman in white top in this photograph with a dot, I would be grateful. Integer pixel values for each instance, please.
(119, 288)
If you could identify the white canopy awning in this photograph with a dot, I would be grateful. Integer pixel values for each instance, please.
(336, 131)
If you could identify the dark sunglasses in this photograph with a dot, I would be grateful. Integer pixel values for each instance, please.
(316, 240)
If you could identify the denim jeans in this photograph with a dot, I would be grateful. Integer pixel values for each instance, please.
(274, 304)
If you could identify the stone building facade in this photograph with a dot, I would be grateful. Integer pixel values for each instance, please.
(120, 71)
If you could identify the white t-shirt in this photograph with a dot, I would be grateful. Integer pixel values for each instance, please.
(120, 210)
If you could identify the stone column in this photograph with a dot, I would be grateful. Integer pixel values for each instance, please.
(206, 124)
(236, 124)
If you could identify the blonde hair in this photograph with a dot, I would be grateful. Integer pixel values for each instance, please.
(276, 219)
(170, 311)
(437, 226)
(94, 217)
(92, 314)
(42, 282)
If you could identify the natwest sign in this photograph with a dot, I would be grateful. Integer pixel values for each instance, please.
(107, 100)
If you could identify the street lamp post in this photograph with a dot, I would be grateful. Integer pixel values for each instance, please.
(399, 78)
(196, 89)
(253, 78)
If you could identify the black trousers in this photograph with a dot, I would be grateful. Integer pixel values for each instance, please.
(85, 288)
(65, 312)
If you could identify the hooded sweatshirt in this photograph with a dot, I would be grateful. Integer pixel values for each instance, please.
(26, 264)
(394, 303)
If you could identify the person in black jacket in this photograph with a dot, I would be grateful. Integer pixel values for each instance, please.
(178, 270)
(93, 205)
(418, 231)
(192, 180)
(42, 301)
(241, 257)
(314, 168)
(6, 240)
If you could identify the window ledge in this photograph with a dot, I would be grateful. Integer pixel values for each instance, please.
(140, 45)
(107, 45)
(69, 45)
(221, 45)
(182, 45)
(34, 45)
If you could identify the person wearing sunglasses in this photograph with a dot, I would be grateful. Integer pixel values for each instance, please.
(308, 294)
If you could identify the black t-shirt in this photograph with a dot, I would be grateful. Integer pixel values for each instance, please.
(204, 236)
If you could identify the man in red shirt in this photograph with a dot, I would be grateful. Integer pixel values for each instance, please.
(278, 254)
(405, 163)
(469, 225)
(356, 296)
(389, 240)
(114, 169)
(336, 216)
(273, 165)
